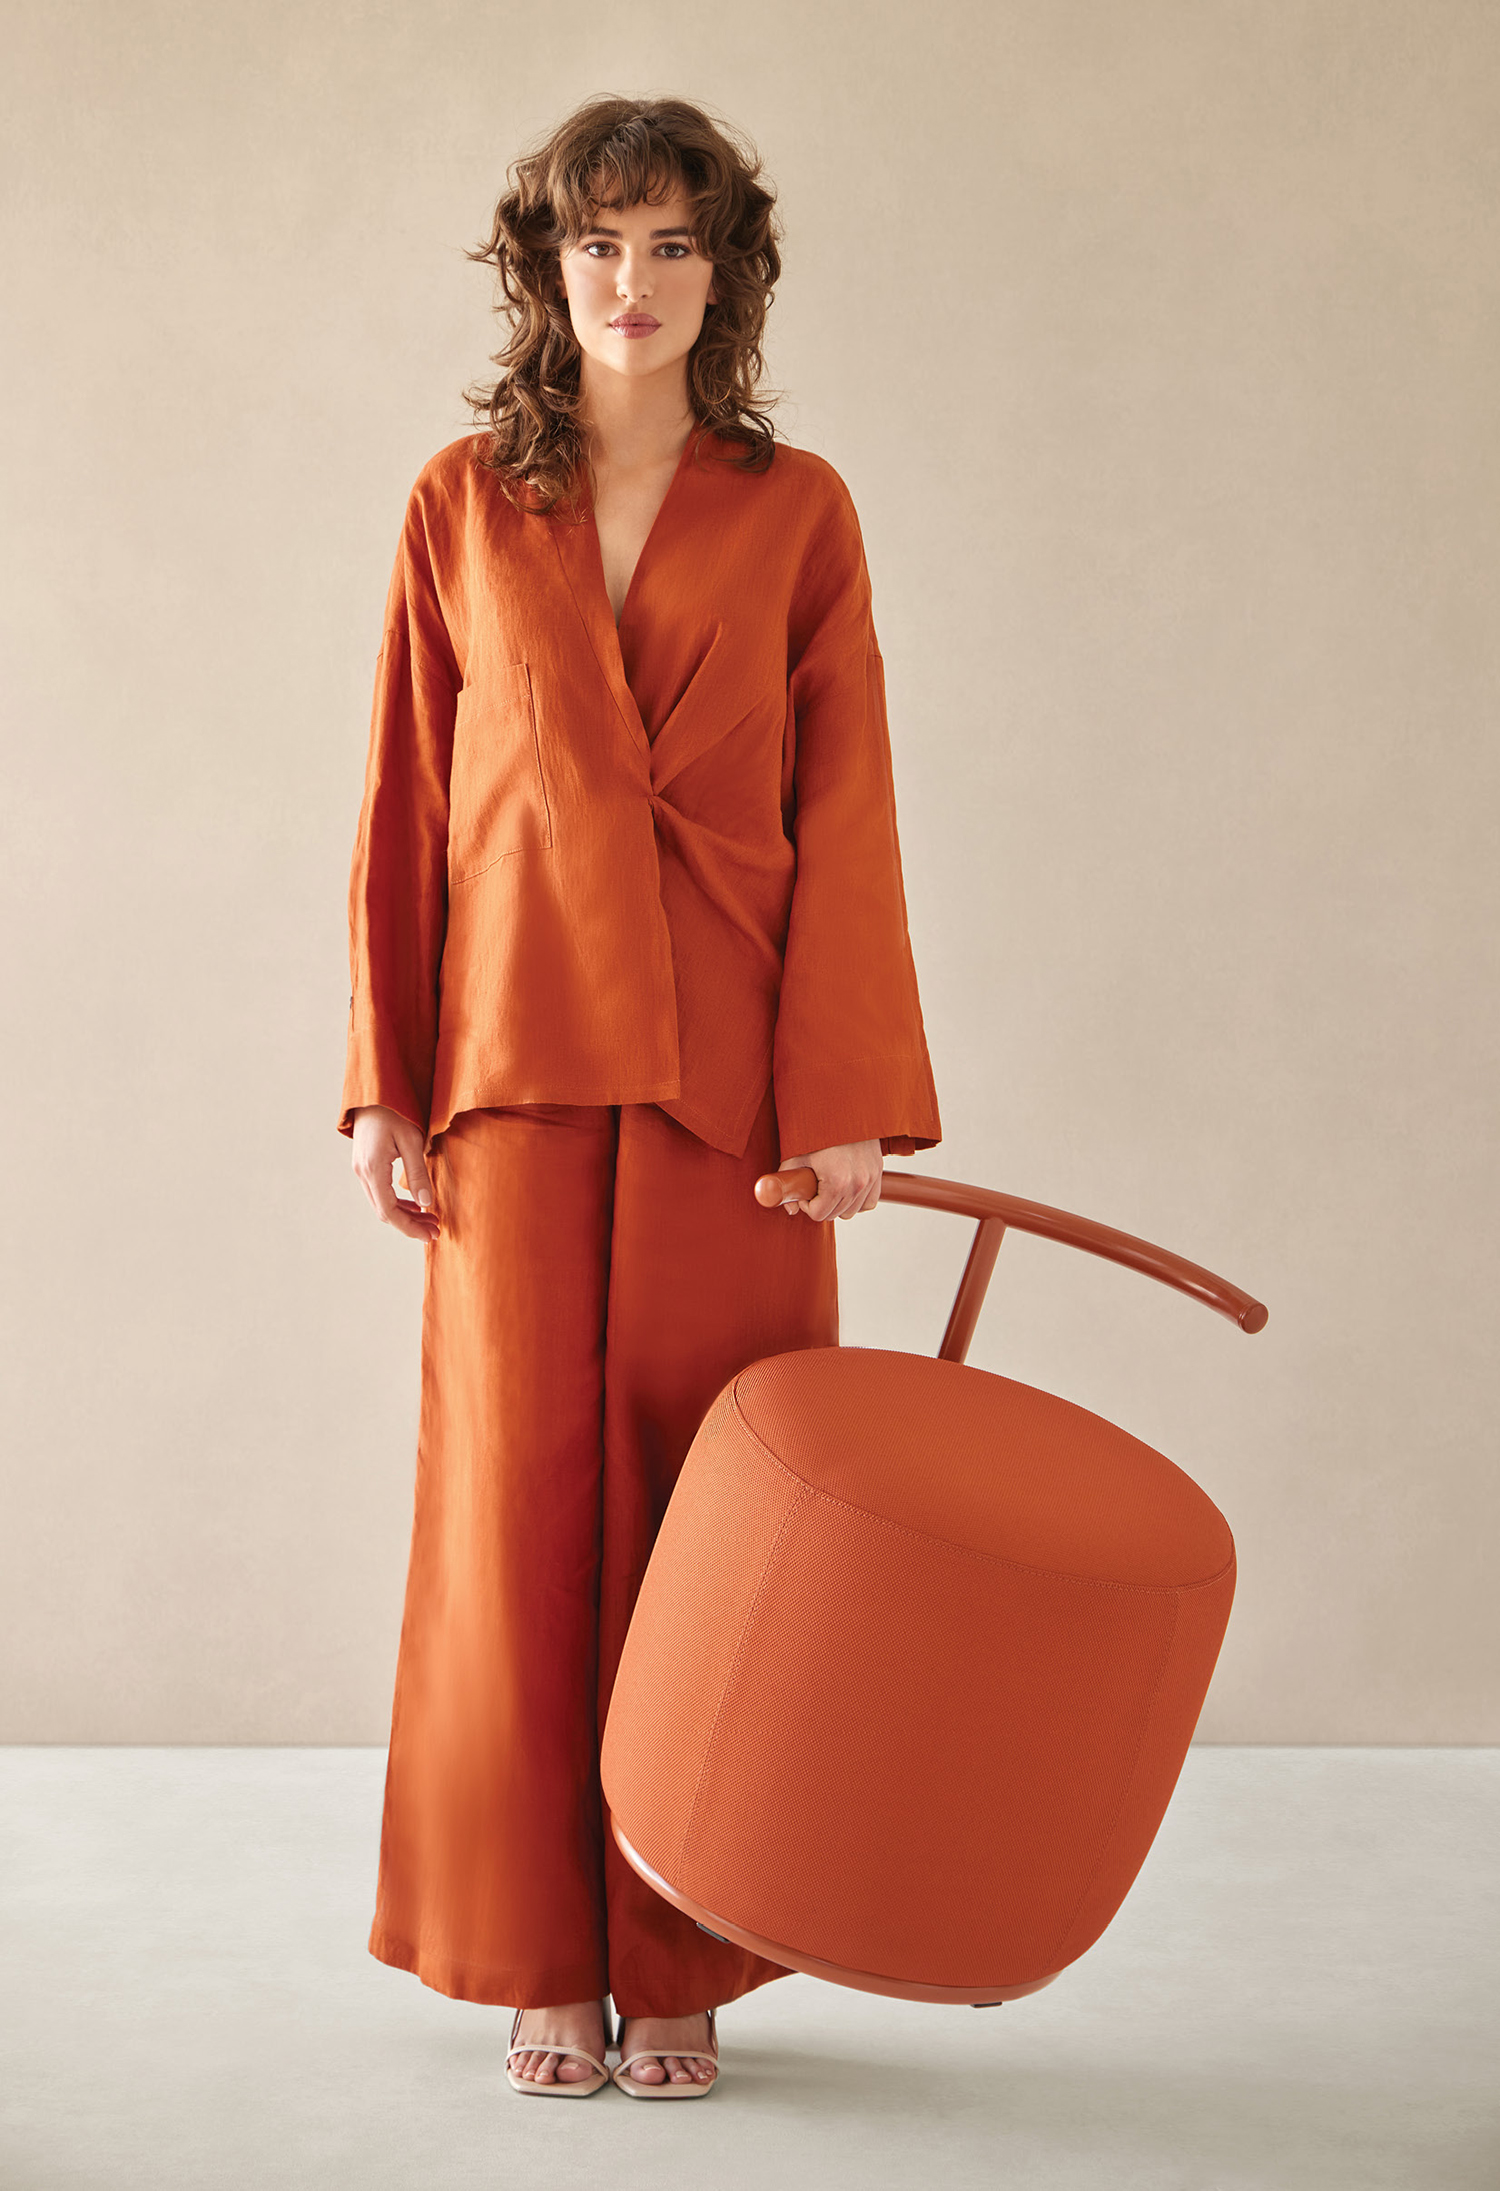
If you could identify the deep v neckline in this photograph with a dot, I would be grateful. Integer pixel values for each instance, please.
(617, 624)
(582, 559)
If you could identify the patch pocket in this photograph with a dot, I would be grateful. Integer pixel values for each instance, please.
(497, 791)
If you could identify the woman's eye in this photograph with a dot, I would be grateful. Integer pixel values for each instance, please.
(599, 245)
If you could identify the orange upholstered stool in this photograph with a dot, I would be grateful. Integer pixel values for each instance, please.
(918, 1655)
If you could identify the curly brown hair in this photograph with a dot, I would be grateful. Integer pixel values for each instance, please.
(624, 152)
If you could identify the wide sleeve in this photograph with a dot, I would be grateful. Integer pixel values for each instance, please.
(850, 1059)
(398, 879)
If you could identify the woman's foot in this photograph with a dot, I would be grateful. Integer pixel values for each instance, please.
(577, 2023)
(658, 2035)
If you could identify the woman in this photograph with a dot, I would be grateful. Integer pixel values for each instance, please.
(627, 932)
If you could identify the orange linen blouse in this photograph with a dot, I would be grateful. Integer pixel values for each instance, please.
(652, 865)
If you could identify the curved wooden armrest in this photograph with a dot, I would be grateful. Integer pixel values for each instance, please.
(998, 1212)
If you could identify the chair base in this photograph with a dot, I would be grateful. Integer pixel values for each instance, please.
(863, 1981)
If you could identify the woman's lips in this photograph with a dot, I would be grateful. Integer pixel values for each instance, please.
(635, 325)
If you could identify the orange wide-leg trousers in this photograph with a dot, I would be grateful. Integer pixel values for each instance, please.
(599, 1276)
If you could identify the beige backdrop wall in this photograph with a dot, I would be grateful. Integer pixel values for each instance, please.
(1158, 347)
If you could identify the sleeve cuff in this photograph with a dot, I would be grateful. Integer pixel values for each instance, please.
(373, 1075)
(821, 1110)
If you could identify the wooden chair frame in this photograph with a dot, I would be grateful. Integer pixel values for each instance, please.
(997, 1213)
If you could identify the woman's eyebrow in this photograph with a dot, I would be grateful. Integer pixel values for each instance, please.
(598, 229)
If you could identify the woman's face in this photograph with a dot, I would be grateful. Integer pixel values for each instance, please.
(637, 287)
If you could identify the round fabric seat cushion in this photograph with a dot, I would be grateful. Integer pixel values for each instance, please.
(913, 1671)
(983, 1462)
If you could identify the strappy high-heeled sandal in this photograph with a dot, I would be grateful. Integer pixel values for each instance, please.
(688, 2088)
(570, 2088)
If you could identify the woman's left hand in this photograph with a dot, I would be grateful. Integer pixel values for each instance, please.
(848, 1180)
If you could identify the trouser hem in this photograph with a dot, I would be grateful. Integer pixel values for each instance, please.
(493, 1987)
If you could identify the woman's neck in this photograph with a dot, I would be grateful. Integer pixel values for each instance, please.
(635, 426)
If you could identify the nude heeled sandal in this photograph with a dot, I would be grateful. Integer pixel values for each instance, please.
(688, 2089)
(576, 2088)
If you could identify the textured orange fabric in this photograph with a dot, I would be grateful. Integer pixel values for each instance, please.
(914, 1669)
(601, 1273)
(658, 864)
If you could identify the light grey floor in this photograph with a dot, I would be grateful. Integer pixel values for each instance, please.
(1300, 1991)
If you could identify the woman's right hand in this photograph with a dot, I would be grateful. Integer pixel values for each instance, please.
(382, 1137)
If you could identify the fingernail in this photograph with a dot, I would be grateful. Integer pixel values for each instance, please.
(424, 1198)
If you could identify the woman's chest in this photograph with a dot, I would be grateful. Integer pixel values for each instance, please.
(569, 724)
(692, 615)
(626, 506)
